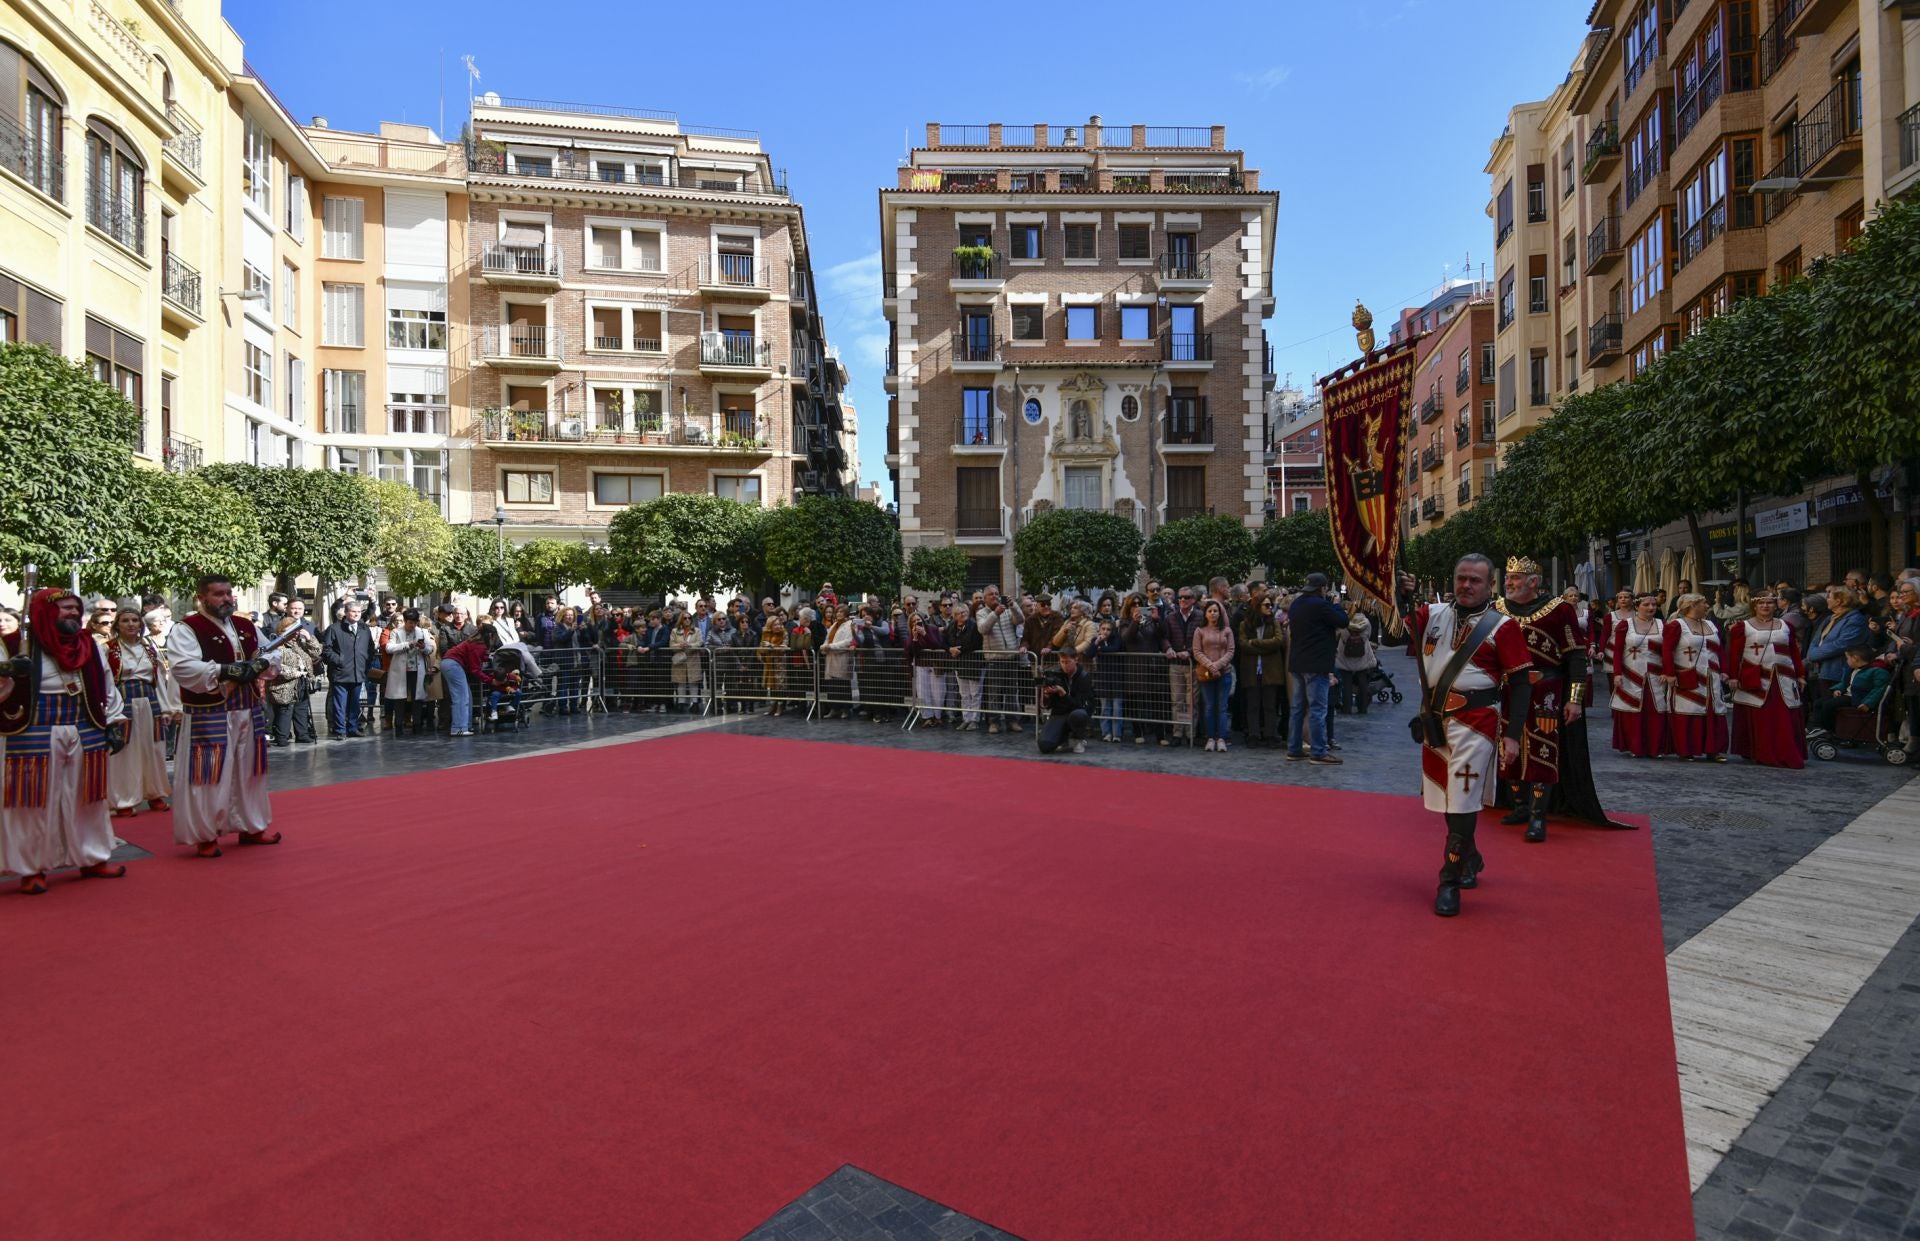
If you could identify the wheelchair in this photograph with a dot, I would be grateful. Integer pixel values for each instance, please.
(1857, 729)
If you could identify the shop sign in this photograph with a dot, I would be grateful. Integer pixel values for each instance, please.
(1785, 520)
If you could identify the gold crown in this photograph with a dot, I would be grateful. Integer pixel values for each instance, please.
(1522, 564)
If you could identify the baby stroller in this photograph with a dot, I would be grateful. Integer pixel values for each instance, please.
(1381, 683)
(508, 669)
(1855, 728)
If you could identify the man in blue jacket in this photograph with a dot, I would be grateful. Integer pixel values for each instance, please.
(1315, 624)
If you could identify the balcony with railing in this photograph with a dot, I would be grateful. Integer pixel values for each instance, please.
(1828, 133)
(491, 160)
(1636, 70)
(1812, 17)
(974, 349)
(979, 432)
(1433, 507)
(977, 267)
(183, 148)
(1431, 458)
(1185, 270)
(721, 431)
(1431, 408)
(1185, 430)
(1463, 492)
(1776, 45)
(978, 523)
(501, 263)
(736, 275)
(1603, 152)
(1700, 234)
(1640, 176)
(519, 344)
(1462, 434)
(1603, 245)
(1696, 102)
(409, 418)
(735, 351)
(1463, 381)
(180, 284)
(33, 160)
(1603, 338)
(1193, 348)
(117, 218)
(182, 453)
(1909, 123)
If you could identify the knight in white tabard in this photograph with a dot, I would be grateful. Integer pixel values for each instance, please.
(61, 717)
(139, 772)
(1473, 661)
(216, 662)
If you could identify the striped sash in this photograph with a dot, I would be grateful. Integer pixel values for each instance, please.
(140, 688)
(30, 754)
(207, 734)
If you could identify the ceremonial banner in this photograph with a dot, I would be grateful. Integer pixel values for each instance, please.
(1362, 405)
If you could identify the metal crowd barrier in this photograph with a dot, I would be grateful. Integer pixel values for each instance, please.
(753, 676)
(1141, 694)
(973, 689)
(874, 679)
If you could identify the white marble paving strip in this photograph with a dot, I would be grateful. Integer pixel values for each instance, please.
(1753, 992)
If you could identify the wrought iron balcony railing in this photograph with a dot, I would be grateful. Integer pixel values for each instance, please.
(1186, 347)
(182, 453)
(540, 262)
(33, 158)
(184, 147)
(1187, 428)
(1186, 266)
(731, 349)
(180, 284)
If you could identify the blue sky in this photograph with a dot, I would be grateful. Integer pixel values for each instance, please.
(1372, 119)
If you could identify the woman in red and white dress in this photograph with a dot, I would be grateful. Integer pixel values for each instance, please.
(138, 773)
(1696, 700)
(1639, 696)
(1600, 631)
(1768, 680)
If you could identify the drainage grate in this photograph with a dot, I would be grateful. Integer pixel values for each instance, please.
(1715, 816)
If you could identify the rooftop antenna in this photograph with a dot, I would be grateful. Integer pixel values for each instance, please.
(473, 77)
(440, 62)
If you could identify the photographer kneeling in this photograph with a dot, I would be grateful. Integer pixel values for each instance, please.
(1068, 696)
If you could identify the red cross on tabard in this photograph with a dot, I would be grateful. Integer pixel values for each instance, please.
(1466, 776)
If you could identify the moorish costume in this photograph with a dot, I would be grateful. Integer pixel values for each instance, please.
(216, 667)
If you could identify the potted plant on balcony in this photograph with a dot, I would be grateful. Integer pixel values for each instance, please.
(975, 258)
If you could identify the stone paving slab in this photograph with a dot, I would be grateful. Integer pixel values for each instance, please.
(852, 1205)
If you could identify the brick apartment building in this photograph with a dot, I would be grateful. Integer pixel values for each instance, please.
(643, 320)
(1297, 464)
(1076, 319)
(1697, 154)
(1452, 387)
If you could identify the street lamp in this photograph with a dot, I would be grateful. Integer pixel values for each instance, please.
(500, 530)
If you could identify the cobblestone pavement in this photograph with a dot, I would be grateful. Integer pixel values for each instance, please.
(1836, 1153)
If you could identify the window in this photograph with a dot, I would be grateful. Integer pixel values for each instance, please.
(290, 295)
(976, 416)
(340, 223)
(1129, 408)
(1569, 259)
(1647, 263)
(1463, 377)
(344, 315)
(1537, 284)
(1185, 408)
(1570, 363)
(1536, 193)
(296, 395)
(1645, 150)
(1486, 362)
(1186, 491)
(1566, 169)
(1641, 43)
(742, 487)
(1182, 252)
(1081, 241)
(625, 488)
(603, 244)
(296, 213)
(28, 93)
(259, 380)
(115, 358)
(256, 168)
(1486, 421)
(1745, 154)
(1027, 241)
(116, 187)
(253, 280)
(344, 397)
(976, 234)
(416, 329)
(1503, 215)
(1506, 312)
(532, 165)
(1136, 323)
(1082, 486)
(1741, 285)
(645, 249)
(1509, 395)
(1083, 323)
(529, 486)
(1136, 241)
(1029, 321)
(1537, 386)
(1848, 225)
(977, 492)
(1302, 502)
(1787, 270)
(1650, 350)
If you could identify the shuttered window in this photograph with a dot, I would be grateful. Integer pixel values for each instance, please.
(32, 317)
(416, 234)
(342, 223)
(1081, 243)
(1029, 321)
(1136, 241)
(345, 315)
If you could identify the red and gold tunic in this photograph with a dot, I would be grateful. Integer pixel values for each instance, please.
(1557, 648)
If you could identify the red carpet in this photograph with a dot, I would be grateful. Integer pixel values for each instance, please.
(657, 991)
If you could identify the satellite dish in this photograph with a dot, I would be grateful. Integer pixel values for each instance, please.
(491, 99)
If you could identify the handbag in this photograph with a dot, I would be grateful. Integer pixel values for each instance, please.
(1429, 725)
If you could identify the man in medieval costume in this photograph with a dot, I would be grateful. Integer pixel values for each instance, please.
(1474, 693)
(1553, 774)
(61, 717)
(216, 661)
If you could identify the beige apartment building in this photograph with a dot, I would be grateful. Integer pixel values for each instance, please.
(642, 319)
(1076, 315)
(1543, 251)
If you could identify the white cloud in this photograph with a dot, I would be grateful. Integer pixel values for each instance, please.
(857, 279)
(1266, 81)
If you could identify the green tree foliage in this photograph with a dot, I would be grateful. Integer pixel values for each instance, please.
(835, 539)
(66, 463)
(1298, 544)
(168, 530)
(934, 569)
(315, 521)
(414, 542)
(683, 543)
(1077, 548)
(474, 563)
(1190, 551)
(549, 564)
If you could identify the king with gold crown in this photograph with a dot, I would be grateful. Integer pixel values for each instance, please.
(1552, 774)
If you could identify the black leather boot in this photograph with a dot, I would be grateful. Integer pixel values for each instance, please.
(1518, 814)
(1446, 899)
(1470, 868)
(1537, 814)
